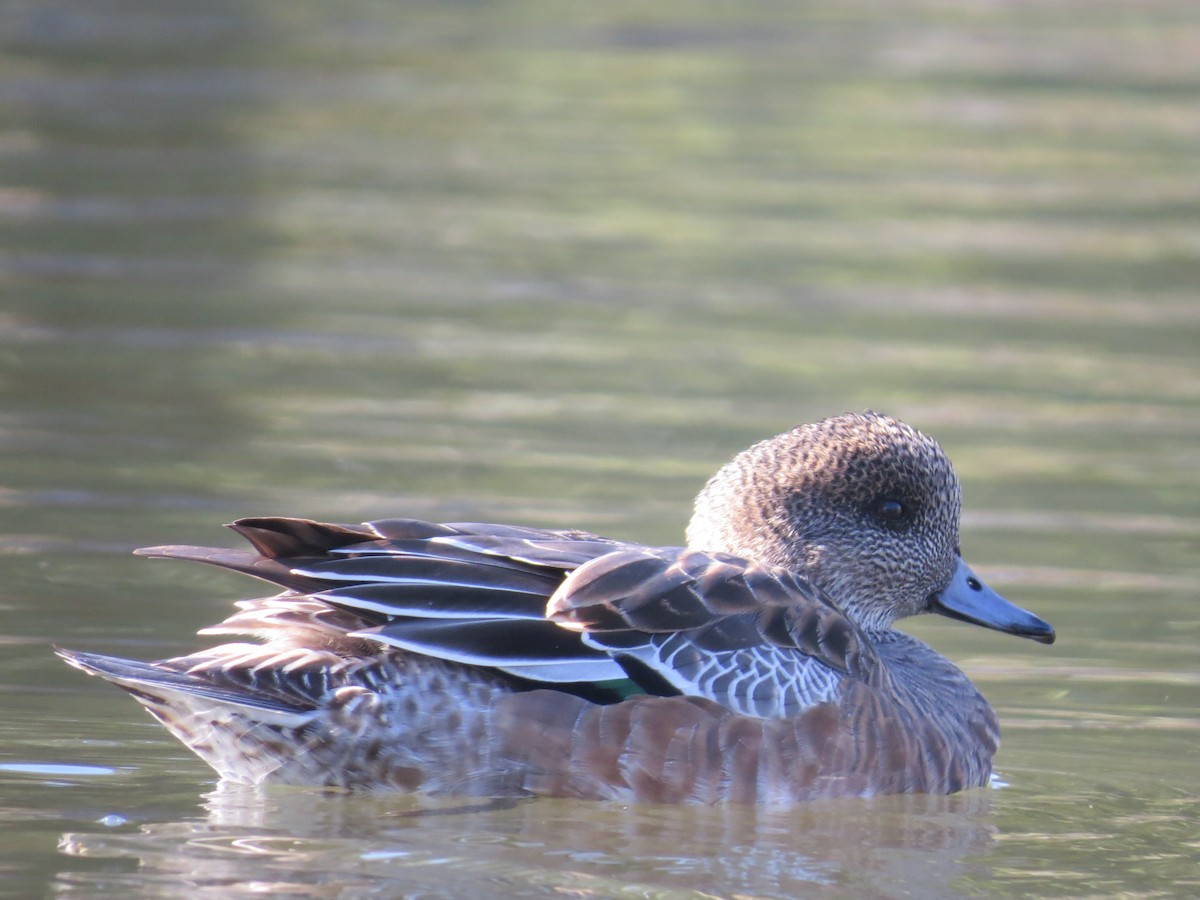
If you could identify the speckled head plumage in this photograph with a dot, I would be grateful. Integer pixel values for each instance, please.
(864, 504)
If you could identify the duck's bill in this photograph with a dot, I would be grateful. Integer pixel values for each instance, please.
(969, 599)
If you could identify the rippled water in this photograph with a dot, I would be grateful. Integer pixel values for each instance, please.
(552, 266)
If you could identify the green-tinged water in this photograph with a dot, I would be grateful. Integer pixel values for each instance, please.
(553, 264)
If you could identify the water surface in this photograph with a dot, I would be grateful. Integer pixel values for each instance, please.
(523, 263)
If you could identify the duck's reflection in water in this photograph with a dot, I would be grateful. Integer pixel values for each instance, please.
(311, 843)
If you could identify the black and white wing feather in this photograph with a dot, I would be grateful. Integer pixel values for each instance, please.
(555, 607)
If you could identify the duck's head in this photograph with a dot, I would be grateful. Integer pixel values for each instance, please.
(868, 508)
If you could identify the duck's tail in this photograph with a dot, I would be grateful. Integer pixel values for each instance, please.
(308, 717)
(242, 735)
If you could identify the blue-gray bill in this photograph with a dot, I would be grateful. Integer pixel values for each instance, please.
(969, 599)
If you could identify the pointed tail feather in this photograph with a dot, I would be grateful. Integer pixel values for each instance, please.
(147, 682)
(245, 738)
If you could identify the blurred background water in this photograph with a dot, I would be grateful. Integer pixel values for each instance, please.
(554, 264)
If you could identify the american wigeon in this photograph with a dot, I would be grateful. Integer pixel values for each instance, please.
(757, 664)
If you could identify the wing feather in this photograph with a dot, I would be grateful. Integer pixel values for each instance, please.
(551, 653)
(551, 607)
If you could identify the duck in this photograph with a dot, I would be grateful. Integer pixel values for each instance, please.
(756, 664)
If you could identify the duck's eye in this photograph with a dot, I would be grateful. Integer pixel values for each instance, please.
(889, 510)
